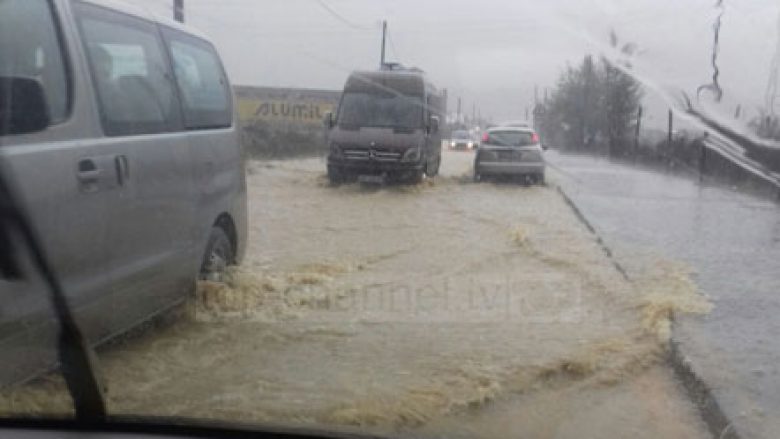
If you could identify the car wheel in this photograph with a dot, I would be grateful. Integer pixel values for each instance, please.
(219, 255)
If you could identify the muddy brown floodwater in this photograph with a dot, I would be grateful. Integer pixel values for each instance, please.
(444, 309)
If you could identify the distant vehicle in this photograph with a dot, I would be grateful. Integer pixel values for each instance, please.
(510, 151)
(118, 132)
(387, 126)
(462, 139)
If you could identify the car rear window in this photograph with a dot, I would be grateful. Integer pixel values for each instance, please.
(511, 138)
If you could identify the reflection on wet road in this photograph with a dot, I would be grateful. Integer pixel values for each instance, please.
(444, 309)
(731, 240)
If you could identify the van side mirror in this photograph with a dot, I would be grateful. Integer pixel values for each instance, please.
(433, 126)
(329, 120)
(545, 147)
(23, 106)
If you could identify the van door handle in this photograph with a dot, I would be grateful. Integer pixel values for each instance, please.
(122, 169)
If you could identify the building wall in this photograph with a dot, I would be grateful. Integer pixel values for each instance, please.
(284, 122)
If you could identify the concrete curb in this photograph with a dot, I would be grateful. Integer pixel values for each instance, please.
(696, 388)
(700, 393)
(602, 244)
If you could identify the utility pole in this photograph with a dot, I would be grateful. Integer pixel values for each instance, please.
(669, 135)
(178, 10)
(638, 128)
(458, 117)
(384, 37)
(527, 117)
(473, 113)
(536, 95)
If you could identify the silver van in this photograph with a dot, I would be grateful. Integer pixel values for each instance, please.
(119, 134)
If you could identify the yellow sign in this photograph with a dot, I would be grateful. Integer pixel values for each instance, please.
(300, 112)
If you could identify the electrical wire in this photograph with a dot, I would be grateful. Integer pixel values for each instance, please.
(340, 17)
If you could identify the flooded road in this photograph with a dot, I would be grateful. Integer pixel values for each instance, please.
(444, 309)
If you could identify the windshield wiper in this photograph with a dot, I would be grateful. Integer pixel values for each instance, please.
(77, 359)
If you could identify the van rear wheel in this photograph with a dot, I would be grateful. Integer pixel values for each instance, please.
(219, 255)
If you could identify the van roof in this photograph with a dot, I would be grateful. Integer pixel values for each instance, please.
(141, 12)
(402, 81)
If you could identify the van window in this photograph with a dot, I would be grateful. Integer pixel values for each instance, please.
(30, 47)
(202, 82)
(130, 73)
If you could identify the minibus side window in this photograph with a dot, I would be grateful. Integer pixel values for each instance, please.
(30, 47)
(203, 85)
(130, 73)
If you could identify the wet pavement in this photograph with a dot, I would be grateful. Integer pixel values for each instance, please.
(445, 309)
(731, 241)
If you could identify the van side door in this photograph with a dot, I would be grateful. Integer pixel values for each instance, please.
(152, 217)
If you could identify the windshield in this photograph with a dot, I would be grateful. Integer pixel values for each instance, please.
(380, 110)
(429, 219)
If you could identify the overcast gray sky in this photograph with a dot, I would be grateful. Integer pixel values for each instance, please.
(489, 52)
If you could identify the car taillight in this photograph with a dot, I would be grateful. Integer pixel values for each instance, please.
(485, 137)
(535, 138)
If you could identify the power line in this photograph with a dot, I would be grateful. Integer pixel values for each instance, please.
(340, 17)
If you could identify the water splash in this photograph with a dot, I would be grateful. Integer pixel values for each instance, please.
(262, 296)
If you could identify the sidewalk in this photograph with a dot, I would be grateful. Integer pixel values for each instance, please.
(729, 359)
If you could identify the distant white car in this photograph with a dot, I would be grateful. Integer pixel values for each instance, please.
(462, 139)
(510, 151)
